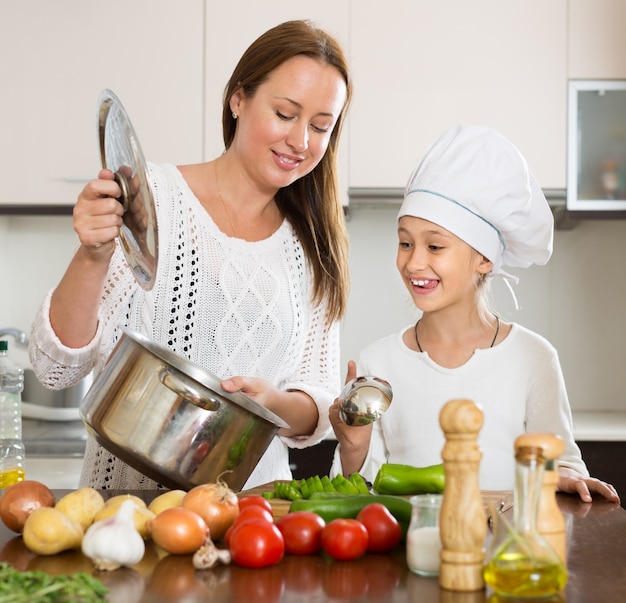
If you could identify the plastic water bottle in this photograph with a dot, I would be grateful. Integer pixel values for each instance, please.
(11, 445)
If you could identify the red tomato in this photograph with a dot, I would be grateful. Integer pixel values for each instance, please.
(246, 514)
(258, 501)
(254, 512)
(382, 527)
(256, 543)
(344, 539)
(302, 531)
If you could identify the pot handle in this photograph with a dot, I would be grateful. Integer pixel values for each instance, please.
(173, 381)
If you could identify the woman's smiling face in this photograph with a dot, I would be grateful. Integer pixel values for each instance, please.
(437, 267)
(284, 130)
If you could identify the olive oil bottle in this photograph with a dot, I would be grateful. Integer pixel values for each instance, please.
(521, 563)
(11, 445)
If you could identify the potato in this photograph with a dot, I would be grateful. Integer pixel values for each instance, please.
(47, 531)
(116, 501)
(81, 505)
(141, 516)
(167, 500)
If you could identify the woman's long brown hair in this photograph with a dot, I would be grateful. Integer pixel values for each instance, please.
(312, 204)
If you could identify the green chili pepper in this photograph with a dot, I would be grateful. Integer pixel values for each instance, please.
(317, 481)
(345, 485)
(359, 483)
(310, 484)
(304, 488)
(327, 485)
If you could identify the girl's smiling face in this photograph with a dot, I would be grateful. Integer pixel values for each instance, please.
(437, 267)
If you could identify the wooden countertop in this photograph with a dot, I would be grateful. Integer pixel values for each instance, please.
(596, 550)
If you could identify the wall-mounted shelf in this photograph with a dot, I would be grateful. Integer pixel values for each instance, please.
(36, 210)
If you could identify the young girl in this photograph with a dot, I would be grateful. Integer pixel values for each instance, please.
(471, 207)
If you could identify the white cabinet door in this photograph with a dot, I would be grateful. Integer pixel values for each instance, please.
(422, 66)
(58, 56)
(597, 44)
(248, 21)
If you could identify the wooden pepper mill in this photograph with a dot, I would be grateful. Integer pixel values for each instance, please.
(550, 519)
(462, 521)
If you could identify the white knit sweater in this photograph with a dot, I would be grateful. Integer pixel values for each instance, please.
(230, 306)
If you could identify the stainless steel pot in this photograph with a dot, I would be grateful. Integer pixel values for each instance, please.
(171, 420)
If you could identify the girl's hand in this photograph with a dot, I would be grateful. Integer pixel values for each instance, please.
(572, 482)
(353, 440)
(98, 216)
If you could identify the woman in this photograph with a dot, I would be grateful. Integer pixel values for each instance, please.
(252, 272)
(471, 207)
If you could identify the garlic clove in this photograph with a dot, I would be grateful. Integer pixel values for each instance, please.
(114, 542)
(208, 556)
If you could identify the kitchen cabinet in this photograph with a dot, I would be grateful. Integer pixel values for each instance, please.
(314, 460)
(58, 56)
(605, 460)
(419, 67)
(596, 156)
(168, 66)
(601, 437)
(422, 66)
(596, 44)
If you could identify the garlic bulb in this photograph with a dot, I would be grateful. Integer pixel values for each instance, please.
(114, 542)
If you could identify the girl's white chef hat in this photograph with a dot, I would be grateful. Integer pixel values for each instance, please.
(476, 184)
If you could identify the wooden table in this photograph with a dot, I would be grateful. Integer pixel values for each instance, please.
(596, 564)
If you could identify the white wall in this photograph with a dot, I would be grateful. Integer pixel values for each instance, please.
(34, 252)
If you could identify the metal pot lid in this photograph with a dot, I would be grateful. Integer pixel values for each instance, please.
(121, 153)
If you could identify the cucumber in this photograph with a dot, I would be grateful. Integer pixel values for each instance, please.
(349, 506)
(393, 478)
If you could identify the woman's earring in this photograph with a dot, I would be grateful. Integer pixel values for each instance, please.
(235, 116)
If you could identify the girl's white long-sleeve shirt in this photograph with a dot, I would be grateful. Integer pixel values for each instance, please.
(230, 306)
(518, 384)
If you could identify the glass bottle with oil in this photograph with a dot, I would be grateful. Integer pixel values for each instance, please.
(11, 444)
(521, 563)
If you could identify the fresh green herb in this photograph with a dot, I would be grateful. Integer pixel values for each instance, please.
(40, 587)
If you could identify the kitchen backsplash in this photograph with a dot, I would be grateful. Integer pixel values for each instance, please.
(577, 301)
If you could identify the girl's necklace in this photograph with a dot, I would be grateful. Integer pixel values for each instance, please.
(419, 347)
